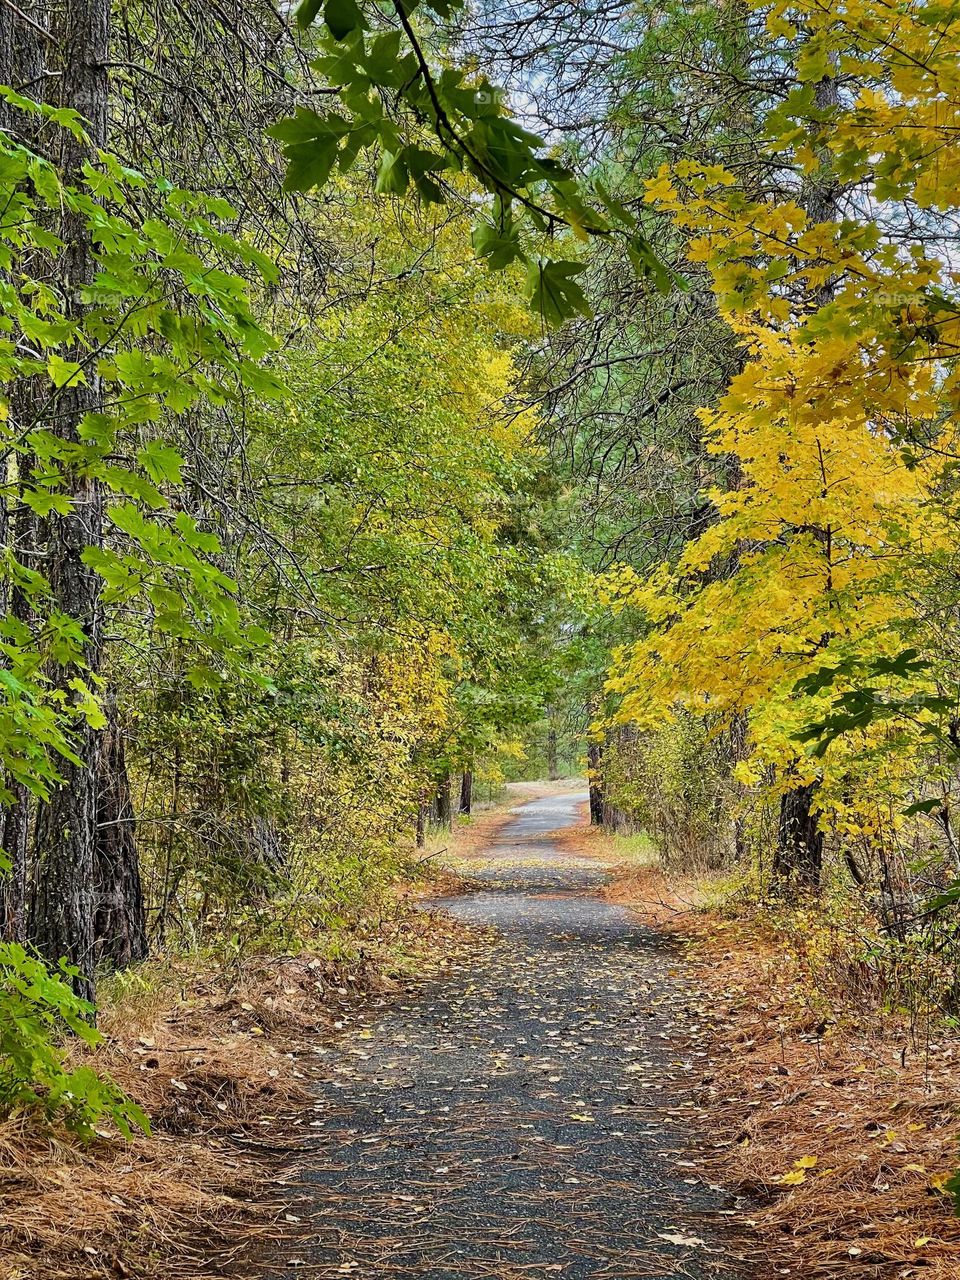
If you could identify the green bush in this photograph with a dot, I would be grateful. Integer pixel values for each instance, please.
(37, 1007)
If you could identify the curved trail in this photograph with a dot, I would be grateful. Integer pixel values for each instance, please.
(519, 1115)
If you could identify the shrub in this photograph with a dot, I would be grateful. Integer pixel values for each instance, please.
(37, 1006)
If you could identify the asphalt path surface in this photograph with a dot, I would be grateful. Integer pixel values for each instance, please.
(524, 1112)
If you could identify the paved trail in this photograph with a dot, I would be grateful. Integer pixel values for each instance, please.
(519, 1116)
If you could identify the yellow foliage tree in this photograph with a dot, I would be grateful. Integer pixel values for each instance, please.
(840, 419)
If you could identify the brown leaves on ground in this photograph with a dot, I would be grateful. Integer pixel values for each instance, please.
(216, 1061)
(841, 1136)
(835, 1135)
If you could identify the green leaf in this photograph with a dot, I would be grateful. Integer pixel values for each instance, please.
(392, 177)
(88, 704)
(161, 463)
(949, 898)
(342, 17)
(553, 292)
(383, 58)
(310, 164)
(649, 266)
(498, 243)
(63, 371)
(307, 11)
(43, 502)
(924, 806)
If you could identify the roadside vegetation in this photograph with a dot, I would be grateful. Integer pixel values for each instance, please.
(396, 404)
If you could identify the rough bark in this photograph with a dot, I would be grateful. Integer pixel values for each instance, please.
(444, 803)
(799, 856)
(14, 824)
(594, 761)
(422, 810)
(19, 534)
(466, 792)
(120, 923)
(62, 896)
(13, 890)
(22, 62)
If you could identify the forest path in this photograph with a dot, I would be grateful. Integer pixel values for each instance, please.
(520, 1114)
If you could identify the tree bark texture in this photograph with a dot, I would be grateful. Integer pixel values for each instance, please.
(13, 888)
(799, 856)
(422, 814)
(594, 763)
(62, 896)
(466, 792)
(444, 803)
(120, 922)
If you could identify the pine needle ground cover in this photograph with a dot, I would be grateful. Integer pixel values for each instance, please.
(834, 1124)
(222, 1061)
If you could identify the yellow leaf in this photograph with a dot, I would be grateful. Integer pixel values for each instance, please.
(793, 1178)
(805, 1162)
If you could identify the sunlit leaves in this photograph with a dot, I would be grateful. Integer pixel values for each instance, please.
(393, 94)
(802, 608)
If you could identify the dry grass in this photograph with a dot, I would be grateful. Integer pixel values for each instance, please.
(872, 1113)
(219, 1062)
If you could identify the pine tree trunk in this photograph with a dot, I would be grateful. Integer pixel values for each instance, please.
(422, 809)
(19, 536)
(594, 759)
(799, 856)
(466, 792)
(120, 923)
(22, 62)
(444, 803)
(13, 887)
(62, 897)
(552, 771)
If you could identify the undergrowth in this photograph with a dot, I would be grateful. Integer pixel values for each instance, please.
(39, 1008)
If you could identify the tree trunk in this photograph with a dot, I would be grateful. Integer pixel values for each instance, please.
(594, 759)
(444, 803)
(19, 536)
(422, 810)
(466, 792)
(22, 62)
(13, 887)
(799, 844)
(14, 824)
(62, 898)
(120, 923)
(552, 770)
(799, 856)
